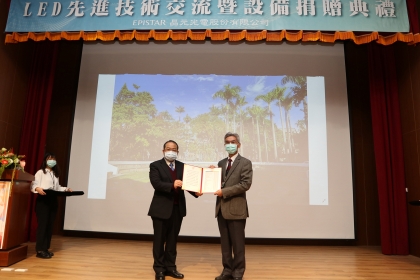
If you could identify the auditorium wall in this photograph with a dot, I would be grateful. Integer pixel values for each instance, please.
(365, 189)
(14, 72)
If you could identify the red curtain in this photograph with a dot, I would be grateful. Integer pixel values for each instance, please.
(387, 139)
(413, 16)
(34, 128)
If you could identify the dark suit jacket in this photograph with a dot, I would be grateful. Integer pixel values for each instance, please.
(233, 204)
(163, 198)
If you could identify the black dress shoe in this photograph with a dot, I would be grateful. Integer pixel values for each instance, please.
(50, 253)
(160, 276)
(43, 255)
(174, 274)
(223, 277)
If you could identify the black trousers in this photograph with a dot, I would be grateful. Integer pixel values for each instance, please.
(232, 238)
(164, 241)
(46, 210)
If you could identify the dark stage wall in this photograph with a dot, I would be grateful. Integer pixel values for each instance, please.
(14, 71)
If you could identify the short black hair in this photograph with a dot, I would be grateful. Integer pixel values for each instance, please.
(171, 141)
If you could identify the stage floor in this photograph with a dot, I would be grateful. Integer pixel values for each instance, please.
(89, 258)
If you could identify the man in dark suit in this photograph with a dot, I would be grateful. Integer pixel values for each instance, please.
(232, 208)
(167, 210)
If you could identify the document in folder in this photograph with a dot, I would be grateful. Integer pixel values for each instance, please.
(205, 180)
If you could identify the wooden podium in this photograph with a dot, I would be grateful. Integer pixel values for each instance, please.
(13, 216)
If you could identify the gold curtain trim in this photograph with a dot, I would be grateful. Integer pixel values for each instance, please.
(216, 35)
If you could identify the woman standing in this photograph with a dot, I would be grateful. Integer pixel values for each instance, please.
(46, 204)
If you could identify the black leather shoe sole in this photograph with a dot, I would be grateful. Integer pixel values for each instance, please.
(160, 276)
(50, 253)
(175, 274)
(43, 255)
(223, 277)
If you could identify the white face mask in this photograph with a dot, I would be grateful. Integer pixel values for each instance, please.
(171, 155)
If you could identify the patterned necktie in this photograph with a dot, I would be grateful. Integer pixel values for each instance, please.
(229, 166)
(171, 165)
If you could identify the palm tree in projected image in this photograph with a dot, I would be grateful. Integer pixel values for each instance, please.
(287, 105)
(242, 115)
(237, 112)
(263, 117)
(187, 135)
(269, 98)
(216, 111)
(257, 113)
(179, 110)
(239, 102)
(228, 94)
(279, 96)
(250, 131)
(300, 92)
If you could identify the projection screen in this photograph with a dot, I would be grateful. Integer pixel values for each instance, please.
(287, 101)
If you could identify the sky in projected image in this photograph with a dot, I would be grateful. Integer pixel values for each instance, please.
(195, 92)
(269, 113)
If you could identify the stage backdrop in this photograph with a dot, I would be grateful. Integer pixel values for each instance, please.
(288, 102)
(95, 15)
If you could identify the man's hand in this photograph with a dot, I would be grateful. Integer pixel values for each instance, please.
(40, 191)
(177, 184)
(212, 166)
(69, 190)
(198, 193)
(219, 193)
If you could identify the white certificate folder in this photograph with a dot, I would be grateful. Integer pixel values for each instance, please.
(204, 180)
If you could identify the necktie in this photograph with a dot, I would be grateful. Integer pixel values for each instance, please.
(229, 166)
(171, 165)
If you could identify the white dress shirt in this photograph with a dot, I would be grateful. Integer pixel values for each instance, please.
(232, 158)
(168, 163)
(46, 181)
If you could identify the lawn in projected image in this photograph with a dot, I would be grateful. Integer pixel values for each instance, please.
(270, 114)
